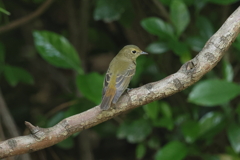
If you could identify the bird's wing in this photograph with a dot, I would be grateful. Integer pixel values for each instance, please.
(106, 82)
(122, 82)
(109, 91)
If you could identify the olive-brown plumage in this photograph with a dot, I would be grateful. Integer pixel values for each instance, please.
(119, 74)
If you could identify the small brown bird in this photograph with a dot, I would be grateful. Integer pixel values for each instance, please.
(119, 74)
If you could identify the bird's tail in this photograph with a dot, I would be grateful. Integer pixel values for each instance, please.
(107, 98)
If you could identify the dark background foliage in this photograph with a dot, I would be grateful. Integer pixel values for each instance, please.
(53, 67)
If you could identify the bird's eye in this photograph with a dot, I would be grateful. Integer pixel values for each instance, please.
(134, 51)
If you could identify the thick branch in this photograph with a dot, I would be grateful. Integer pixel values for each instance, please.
(26, 19)
(187, 75)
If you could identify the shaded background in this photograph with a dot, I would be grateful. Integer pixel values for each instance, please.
(53, 66)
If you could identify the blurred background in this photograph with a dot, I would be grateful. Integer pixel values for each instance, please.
(54, 54)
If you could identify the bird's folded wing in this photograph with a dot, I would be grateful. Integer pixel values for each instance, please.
(122, 83)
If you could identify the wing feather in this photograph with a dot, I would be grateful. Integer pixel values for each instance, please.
(122, 83)
(106, 82)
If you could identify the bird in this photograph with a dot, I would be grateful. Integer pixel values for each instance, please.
(119, 74)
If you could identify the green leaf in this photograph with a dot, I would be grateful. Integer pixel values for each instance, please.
(227, 71)
(4, 11)
(233, 133)
(140, 151)
(181, 49)
(236, 44)
(213, 92)
(181, 118)
(153, 142)
(166, 110)
(152, 109)
(109, 10)
(174, 150)
(78, 106)
(238, 38)
(191, 131)
(67, 143)
(135, 131)
(57, 50)
(14, 75)
(179, 16)
(157, 27)
(157, 48)
(155, 108)
(210, 122)
(55, 119)
(90, 85)
(222, 2)
(196, 43)
(205, 27)
(165, 122)
(207, 127)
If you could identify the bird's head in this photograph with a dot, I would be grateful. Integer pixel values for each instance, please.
(131, 51)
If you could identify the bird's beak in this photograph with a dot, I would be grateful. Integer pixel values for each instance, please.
(144, 52)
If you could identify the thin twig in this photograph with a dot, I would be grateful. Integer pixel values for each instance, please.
(19, 22)
(60, 107)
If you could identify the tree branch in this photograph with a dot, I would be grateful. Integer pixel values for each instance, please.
(26, 19)
(187, 75)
